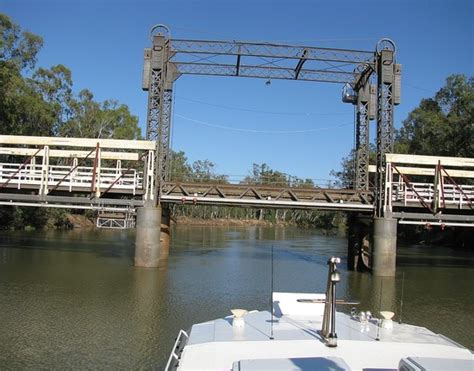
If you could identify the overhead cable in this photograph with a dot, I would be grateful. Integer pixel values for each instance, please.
(262, 111)
(260, 131)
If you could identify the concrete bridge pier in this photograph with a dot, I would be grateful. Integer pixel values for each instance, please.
(147, 238)
(358, 242)
(384, 252)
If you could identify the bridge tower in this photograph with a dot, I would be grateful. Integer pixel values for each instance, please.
(388, 95)
(374, 101)
(153, 220)
(374, 82)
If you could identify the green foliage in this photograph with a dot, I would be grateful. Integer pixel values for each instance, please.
(180, 169)
(45, 104)
(202, 171)
(443, 125)
(42, 102)
(302, 183)
(17, 48)
(55, 88)
(263, 174)
(345, 177)
(91, 119)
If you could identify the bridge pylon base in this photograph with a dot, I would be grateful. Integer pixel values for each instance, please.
(358, 242)
(384, 247)
(148, 249)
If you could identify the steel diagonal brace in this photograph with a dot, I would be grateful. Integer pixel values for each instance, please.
(255, 193)
(329, 197)
(363, 198)
(183, 190)
(169, 188)
(264, 72)
(3, 185)
(208, 190)
(269, 50)
(72, 169)
(468, 199)
(408, 184)
(222, 194)
(299, 66)
(122, 175)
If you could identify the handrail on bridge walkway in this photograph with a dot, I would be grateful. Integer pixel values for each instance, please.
(119, 175)
(435, 190)
(97, 166)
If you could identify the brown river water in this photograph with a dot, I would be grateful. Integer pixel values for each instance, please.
(72, 299)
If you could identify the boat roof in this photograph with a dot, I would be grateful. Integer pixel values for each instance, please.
(290, 336)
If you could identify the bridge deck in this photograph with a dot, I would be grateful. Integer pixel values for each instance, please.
(116, 175)
(267, 196)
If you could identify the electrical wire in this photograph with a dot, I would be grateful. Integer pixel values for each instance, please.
(259, 131)
(261, 111)
(418, 88)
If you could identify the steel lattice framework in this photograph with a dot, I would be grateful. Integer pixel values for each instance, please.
(169, 58)
(362, 146)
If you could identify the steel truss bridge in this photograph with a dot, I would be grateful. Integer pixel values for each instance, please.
(371, 82)
(117, 176)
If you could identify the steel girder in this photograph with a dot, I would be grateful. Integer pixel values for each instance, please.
(154, 105)
(362, 146)
(264, 72)
(165, 136)
(245, 195)
(266, 60)
(169, 58)
(385, 104)
(159, 83)
(269, 50)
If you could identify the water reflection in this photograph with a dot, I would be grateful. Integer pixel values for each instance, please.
(74, 298)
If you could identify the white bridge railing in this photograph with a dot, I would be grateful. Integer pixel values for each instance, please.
(449, 194)
(80, 177)
(432, 182)
(97, 166)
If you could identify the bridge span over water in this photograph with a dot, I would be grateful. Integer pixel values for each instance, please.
(118, 176)
(133, 177)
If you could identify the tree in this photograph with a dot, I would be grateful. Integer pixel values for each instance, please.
(22, 109)
(180, 170)
(91, 119)
(263, 174)
(442, 125)
(42, 102)
(55, 87)
(345, 177)
(17, 48)
(203, 171)
(302, 183)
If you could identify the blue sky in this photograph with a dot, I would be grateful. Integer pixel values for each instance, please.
(102, 43)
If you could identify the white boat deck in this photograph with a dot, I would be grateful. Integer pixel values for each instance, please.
(258, 328)
(218, 345)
